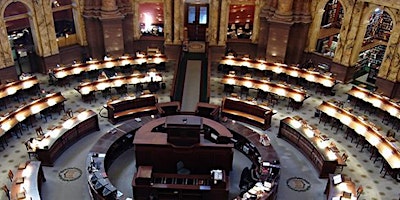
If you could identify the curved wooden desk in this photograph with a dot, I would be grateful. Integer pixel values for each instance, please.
(118, 81)
(262, 65)
(312, 143)
(297, 94)
(27, 181)
(375, 100)
(337, 191)
(248, 142)
(56, 141)
(75, 69)
(119, 139)
(22, 113)
(13, 87)
(390, 150)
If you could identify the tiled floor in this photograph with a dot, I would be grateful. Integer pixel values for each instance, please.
(294, 164)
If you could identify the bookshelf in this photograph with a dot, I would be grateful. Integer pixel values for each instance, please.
(333, 14)
(370, 61)
(379, 27)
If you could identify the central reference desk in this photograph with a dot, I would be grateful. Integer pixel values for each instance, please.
(119, 139)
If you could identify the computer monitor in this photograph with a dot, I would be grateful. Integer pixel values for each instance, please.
(96, 176)
(337, 179)
(109, 191)
(100, 183)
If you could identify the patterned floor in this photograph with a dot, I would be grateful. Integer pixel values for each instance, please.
(295, 167)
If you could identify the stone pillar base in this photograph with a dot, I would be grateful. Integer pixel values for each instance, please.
(343, 73)
(8, 73)
(388, 88)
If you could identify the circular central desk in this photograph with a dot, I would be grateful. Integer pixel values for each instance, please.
(120, 139)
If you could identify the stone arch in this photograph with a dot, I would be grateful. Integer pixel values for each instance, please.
(318, 10)
(6, 46)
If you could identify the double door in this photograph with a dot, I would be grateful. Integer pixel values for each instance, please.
(196, 21)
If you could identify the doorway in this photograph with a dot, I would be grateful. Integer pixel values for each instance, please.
(196, 21)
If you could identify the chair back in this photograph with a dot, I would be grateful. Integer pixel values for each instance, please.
(10, 175)
(39, 131)
(344, 157)
(360, 190)
(6, 190)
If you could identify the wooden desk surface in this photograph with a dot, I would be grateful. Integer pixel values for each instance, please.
(311, 76)
(36, 106)
(219, 128)
(297, 94)
(11, 88)
(62, 72)
(337, 190)
(388, 149)
(376, 100)
(313, 136)
(117, 81)
(267, 153)
(30, 185)
(52, 136)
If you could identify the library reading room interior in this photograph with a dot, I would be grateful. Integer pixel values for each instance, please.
(200, 99)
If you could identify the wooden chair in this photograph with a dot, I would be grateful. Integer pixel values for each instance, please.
(29, 149)
(344, 158)
(7, 191)
(10, 175)
(360, 190)
(39, 131)
(391, 133)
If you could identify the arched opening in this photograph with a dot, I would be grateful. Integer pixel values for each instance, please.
(374, 45)
(64, 22)
(330, 28)
(16, 16)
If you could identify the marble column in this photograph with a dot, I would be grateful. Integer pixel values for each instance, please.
(360, 22)
(259, 4)
(223, 23)
(284, 11)
(389, 68)
(214, 18)
(313, 33)
(6, 58)
(168, 21)
(136, 23)
(77, 9)
(50, 29)
(109, 6)
(111, 21)
(352, 42)
(177, 22)
(344, 31)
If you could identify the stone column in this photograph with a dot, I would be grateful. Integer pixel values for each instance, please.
(177, 22)
(357, 31)
(79, 24)
(284, 11)
(168, 21)
(223, 23)
(109, 6)
(111, 21)
(6, 58)
(50, 34)
(389, 68)
(136, 24)
(214, 18)
(318, 11)
(256, 20)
